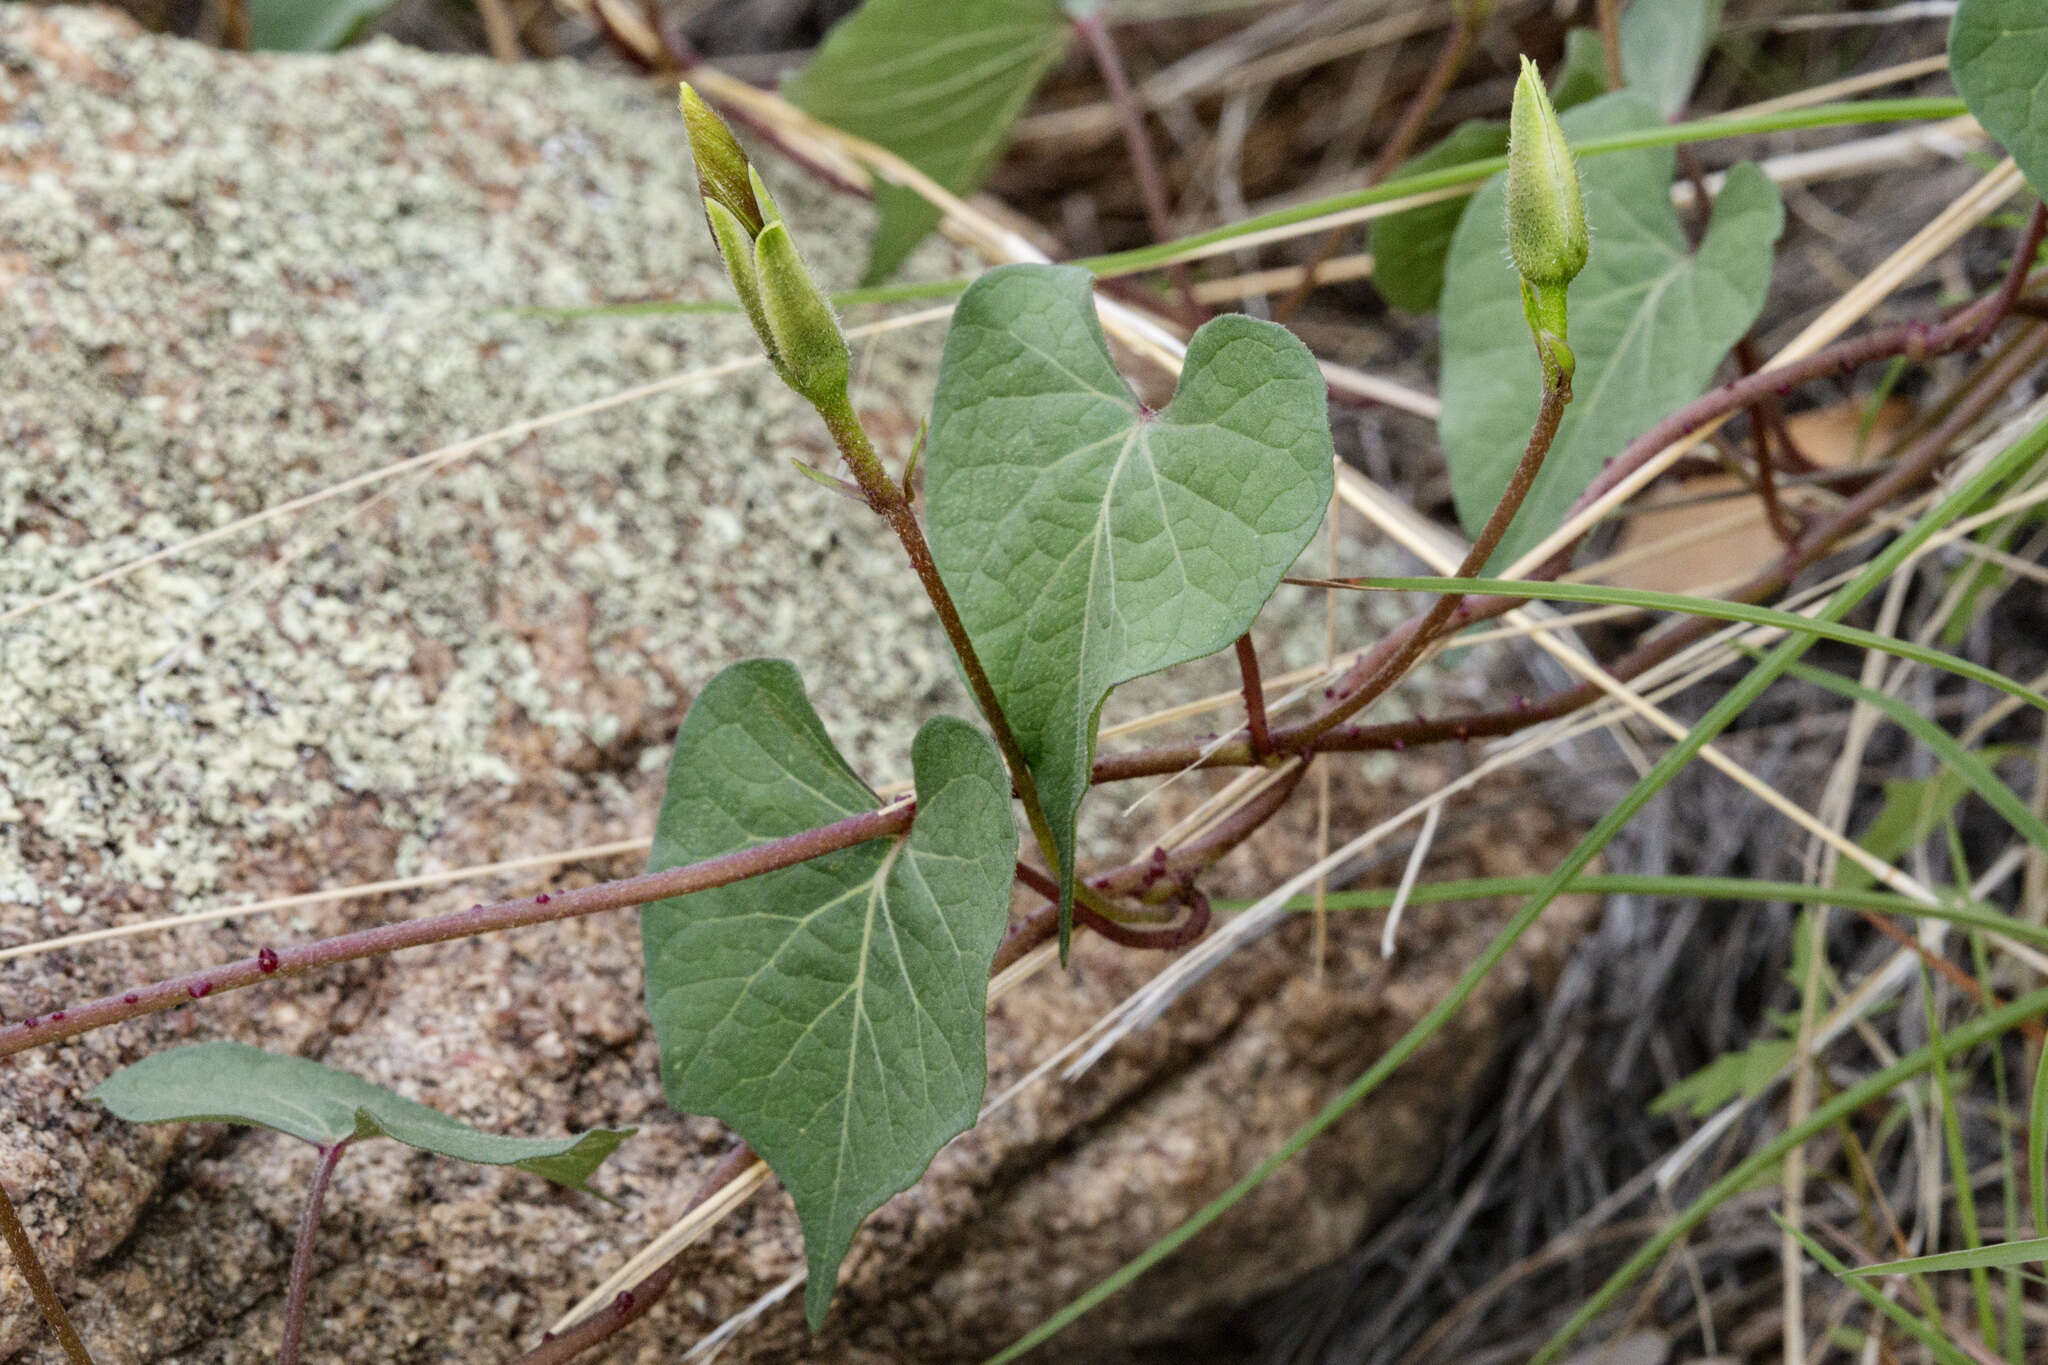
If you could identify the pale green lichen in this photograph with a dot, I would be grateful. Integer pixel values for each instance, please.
(232, 282)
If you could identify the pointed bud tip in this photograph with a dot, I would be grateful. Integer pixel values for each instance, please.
(1546, 219)
(723, 173)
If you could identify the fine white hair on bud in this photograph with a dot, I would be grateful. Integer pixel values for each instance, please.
(1546, 220)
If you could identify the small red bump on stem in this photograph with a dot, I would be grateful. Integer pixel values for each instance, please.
(541, 899)
(30, 1022)
(131, 998)
(624, 1300)
(199, 990)
(55, 1015)
(266, 960)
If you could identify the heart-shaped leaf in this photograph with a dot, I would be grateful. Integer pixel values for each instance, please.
(1649, 323)
(1998, 54)
(830, 1012)
(1089, 541)
(937, 84)
(1409, 249)
(1663, 43)
(234, 1083)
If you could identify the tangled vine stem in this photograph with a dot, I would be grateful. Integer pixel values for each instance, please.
(1906, 472)
(31, 1264)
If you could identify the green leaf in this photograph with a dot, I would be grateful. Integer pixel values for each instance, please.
(1663, 43)
(311, 25)
(1912, 808)
(1088, 541)
(1744, 1073)
(1582, 75)
(235, 1083)
(1998, 54)
(1982, 1258)
(937, 84)
(1408, 249)
(1649, 323)
(831, 1012)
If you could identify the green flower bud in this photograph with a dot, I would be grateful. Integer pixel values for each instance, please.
(1546, 220)
(790, 313)
(803, 333)
(723, 174)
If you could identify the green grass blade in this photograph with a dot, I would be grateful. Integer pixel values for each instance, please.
(1966, 765)
(1716, 609)
(1474, 173)
(1979, 1258)
(1927, 1335)
(2037, 1148)
(1958, 1162)
(1970, 916)
(1736, 700)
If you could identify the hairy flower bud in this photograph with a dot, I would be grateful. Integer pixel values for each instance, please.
(1546, 220)
(723, 175)
(791, 315)
(803, 331)
(1547, 238)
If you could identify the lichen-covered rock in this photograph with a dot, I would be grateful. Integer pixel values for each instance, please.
(228, 282)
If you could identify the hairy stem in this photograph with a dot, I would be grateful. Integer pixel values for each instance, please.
(39, 1281)
(1450, 60)
(34, 1032)
(302, 1254)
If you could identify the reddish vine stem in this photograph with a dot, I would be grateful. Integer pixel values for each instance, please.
(1130, 114)
(1254, 696)
(634, 1304)
(1368, 680)
(1765, 416)
(39, 1285)
(1450, 60)
(302, 1254)
(34, 1032)
(1905, 473)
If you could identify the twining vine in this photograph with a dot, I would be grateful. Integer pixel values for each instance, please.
(817, 959)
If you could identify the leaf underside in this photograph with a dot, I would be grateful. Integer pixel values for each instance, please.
(939, 85)
(831, 1013)
(1998, 54)
(1663, 43)
(226, 1082)
(1088, 541)
(1649, 323)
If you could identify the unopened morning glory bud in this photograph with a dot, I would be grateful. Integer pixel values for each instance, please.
(1546, 221)
(790, 313)
(723, 175)
(803, 331)
(1547, 238)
